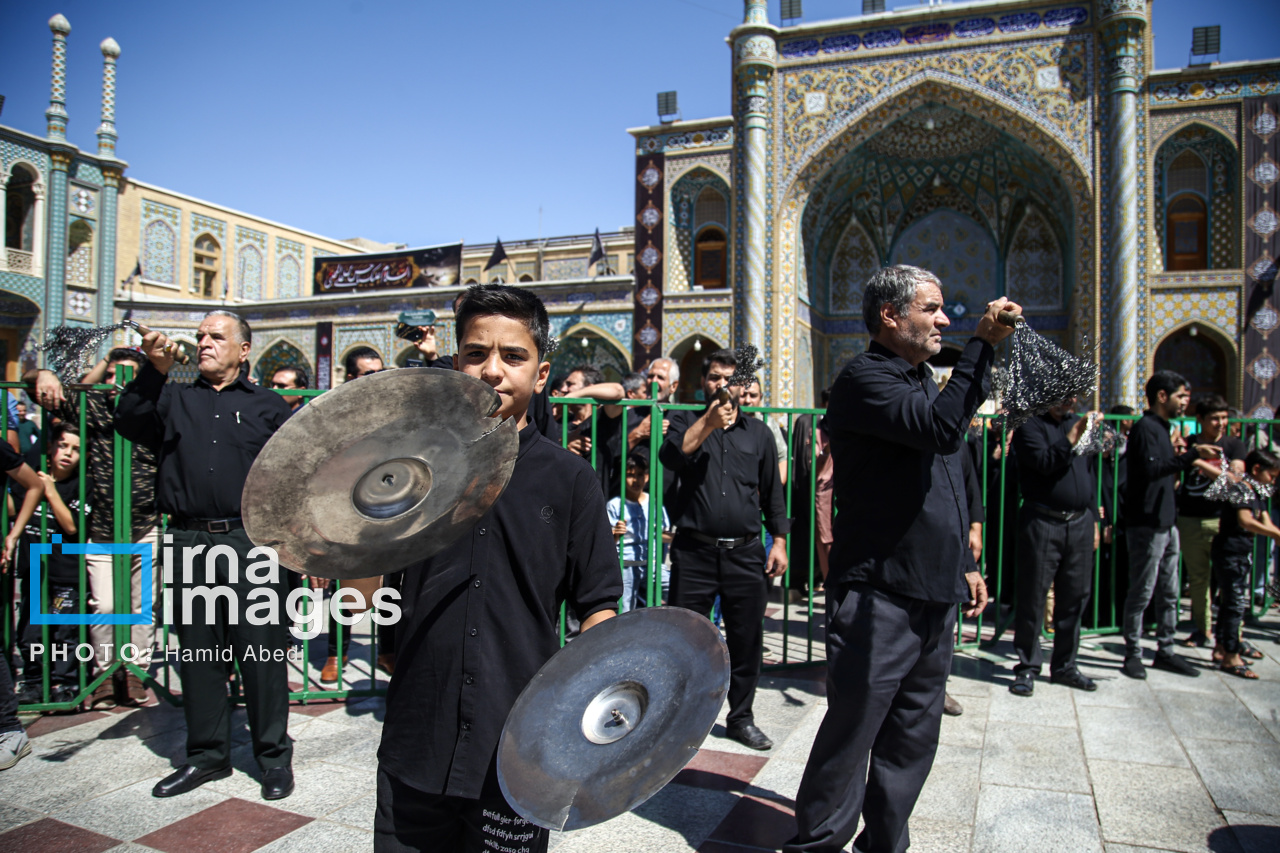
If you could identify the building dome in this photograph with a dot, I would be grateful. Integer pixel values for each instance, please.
(59, 24)
(109, 47)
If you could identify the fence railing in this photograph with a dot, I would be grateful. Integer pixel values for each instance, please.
(794, 625)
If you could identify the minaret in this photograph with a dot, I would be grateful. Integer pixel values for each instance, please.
(56, 115)
(107, 130)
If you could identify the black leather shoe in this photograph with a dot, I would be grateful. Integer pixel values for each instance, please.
(277, 783)
(187, 778)
(1074, 678)
(750, 736)
(1178, 665)
(951, 707)
(1133, 667)
(1024, 683)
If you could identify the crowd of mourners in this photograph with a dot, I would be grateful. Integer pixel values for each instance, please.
(749, 505)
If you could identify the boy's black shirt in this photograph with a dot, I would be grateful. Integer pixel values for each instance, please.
(482, 617)
(62, 568)
(1232, 539)
(1191, 500)
(1153, 465)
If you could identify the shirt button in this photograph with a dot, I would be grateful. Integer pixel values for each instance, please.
(466, 727)
(215, 441)
(474, 632)
(470, 680)
(217, 416)
(477, 582)
(481, 531)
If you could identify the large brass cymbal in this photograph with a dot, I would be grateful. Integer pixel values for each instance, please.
(379, 473)
(613, 717)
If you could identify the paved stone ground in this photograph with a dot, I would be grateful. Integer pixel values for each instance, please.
(1167, 764)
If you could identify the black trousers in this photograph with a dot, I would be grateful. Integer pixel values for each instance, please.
(887, 662)
(1234, 572)
(1057, 553)
(407, 819)
(64, 668)
(211, 626)
(700, 572)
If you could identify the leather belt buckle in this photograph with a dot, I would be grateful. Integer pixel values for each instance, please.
(219, 526)
(726, 543)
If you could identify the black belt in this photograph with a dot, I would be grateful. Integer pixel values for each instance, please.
(207, 525)
(1057, 514)
(718, 542)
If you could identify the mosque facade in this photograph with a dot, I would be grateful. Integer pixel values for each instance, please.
(1014, 147)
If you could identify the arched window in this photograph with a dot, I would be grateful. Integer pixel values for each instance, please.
(708, 264)
(1186, 229)
(79, 269)
(1187, 172)
(20, 205)
(710, 207)
(526, 277)
(204, 265)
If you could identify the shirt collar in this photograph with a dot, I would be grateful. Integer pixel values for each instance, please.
(921, 371)
(239, 380)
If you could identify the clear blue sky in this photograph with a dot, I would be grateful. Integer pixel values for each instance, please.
(422, 122)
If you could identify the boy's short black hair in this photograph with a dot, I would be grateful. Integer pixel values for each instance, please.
(1265, 459)
(1211, 404)
(1120, 409)
(127, 354)
(723, 357)
(638, 459)
(60, 429)
(486, 300)
(1164, 380)
(591, 375)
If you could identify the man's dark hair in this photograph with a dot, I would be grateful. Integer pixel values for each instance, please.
(349, 363)
(1211, 404)
(486, 300)
(299, 374)
(639, 458)
(895, 285)
(1264, 458)
(632, 382)
(1164, 380)
(1120, 409)
(127, 354)
(591, 375)
(825, 396)
(242, 325)
(723, 357)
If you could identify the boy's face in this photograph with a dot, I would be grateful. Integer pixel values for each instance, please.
(66, 455)
(500, 351)
(1213, 425)
(1265, 476)
(637, 479)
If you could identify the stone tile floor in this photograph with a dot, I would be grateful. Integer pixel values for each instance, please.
(1166, 764)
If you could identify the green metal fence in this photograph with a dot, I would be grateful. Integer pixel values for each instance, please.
(801, 636)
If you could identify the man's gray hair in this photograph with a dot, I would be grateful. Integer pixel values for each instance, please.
(632, 383)
(243, 333)
(895, 285)
(673, 373)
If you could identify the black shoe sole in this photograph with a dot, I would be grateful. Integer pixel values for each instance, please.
(278, 796)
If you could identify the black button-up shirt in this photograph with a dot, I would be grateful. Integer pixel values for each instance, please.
(1049, 471)
(1153, 467)
(480, 619)
(720, 487)
(207, 439)
(902, 521)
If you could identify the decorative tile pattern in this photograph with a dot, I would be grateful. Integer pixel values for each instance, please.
(87, 172)
(251, 251)
(720, 164)
(381, 337)
(679, 270)
(1001, 74)
(684, 140)
(159, 250)
(289, 258)
(855, 261)
(1227, 86)
(955, 249)
(1033, 268)
(1222, 161)
(563, 269)
(1226, 118)
(682, 325)
(13, 151)
(1218, 307)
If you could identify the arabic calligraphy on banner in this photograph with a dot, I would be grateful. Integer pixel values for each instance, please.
(435, 266)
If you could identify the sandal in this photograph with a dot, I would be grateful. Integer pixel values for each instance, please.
(1249, 651)
(1240, 671)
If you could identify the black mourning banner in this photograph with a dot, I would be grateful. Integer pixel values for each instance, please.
(1261, 203)
(434, 266)
(646, 344)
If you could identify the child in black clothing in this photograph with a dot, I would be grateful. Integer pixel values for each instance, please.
(58, 511)
(1232, 561)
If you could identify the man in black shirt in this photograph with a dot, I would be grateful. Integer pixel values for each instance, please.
(209, 433)
(1198, 517)
(481, 617)
(288, 379)
(727, 472)
(1150, 512)
(899, 565)
(595, 431)
(1058, 533)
